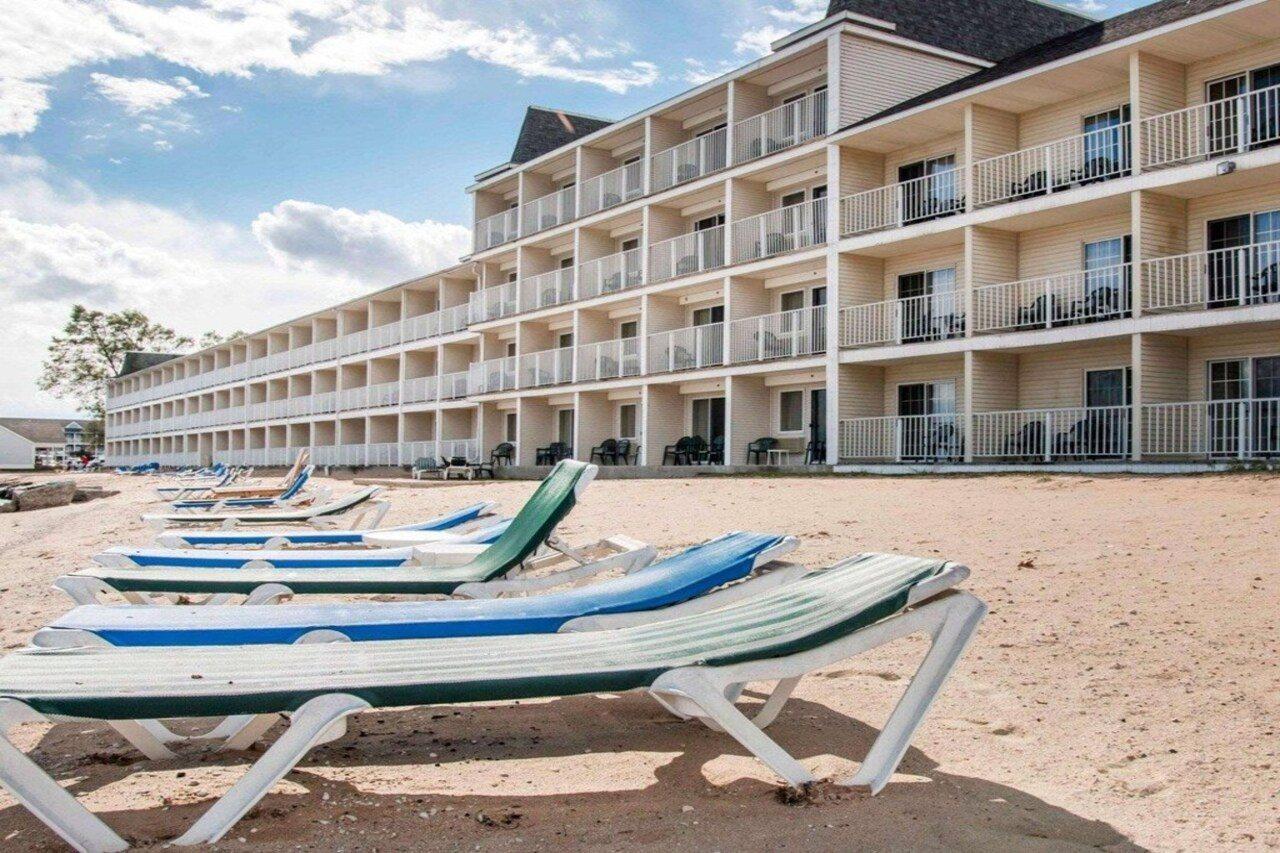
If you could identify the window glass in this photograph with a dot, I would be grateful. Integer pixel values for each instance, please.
(629, 329)
(511, 432)
(627, 418)
(791, 411)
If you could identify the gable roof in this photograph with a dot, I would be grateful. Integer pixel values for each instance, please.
(1096, 34)
(135, 361)
(986, 29)
(545, 130)
(39, 430)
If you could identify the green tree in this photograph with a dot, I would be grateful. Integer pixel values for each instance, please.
(91, 349)
(212, 339)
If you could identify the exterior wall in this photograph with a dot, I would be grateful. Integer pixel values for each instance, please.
(993, 381)
(1201, 210)
(1061, 120)
(899, 74)
(1054, 378)
(1239, 343)
(927, 261)
(1052, 251)
(931, 370)
(1164, 368)
(16, 453)
(747, 415)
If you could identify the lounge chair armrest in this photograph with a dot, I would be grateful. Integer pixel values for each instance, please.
(626, 561)
(446, 554)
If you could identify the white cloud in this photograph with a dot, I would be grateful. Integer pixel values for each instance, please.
(373, 246)
(755, 42)
(698, 72)
(138, 95)
(21, 103)
(799, 11)
(756, 38)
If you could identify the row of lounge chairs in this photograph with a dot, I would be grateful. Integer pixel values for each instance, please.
(691, 630)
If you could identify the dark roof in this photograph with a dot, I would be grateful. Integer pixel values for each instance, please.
(1094, 35)
(135, 361)
(42, 430)
(546, 130)
(987, 29)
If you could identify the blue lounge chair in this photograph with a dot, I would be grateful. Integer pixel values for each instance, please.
(288, 497)
(195, 489)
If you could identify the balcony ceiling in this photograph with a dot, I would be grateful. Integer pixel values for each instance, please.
(807, 61)
(1235, 31)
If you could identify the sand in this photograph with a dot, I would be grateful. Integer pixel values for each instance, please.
(1122, 694)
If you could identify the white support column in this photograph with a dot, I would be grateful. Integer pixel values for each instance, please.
(1136, 395)
(834, 300)
(1135, 112)
(833, 83)
(966, 418)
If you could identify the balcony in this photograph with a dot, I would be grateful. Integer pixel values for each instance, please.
(1052, 301)
(690, 348)
(787, 334)
(383, 394)
(1222, 278)
(933, 317)
(466, 448)
(608, 359)
(354, 343)
(689, 161)
(549, 367)
(904, 203)
(454, 319)
(610, 274)
(455, 385)
(353, 398)
(903, 438)
(490, 303)
(614, 187)
(546, 289)
(496, 374)
(549, 211)
(797, 226)
(497, 229)
(411, 451)
(1047, 435)
(1220, 429)
(687, 254)
(421, 327)
(423, 389)
(780, 128)
(1076, 161)
(1215, 129)
(324, 403)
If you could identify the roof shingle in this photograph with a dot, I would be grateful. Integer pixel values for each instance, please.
(546, 130)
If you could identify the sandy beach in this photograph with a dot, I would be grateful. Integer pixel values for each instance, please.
(1121, 695)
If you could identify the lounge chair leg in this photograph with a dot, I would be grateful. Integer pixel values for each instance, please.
(145, 738)
(242, 731)
(44, 797)
(312, 724)
(950, 637)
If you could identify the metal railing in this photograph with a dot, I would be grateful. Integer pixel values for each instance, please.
(412, 451)
(690, 160)
(490, 303)
(787, 334)
(548, 367)
(555, 208)
(608, 359)
(454, 319)
(905, 203)
(497, 229)
(422, 389)
(467, 448)
(546, 289)
(1084, 296)
(383, 394)
(934, 317)
(695, 252)
(386, 335)
(1214, 129)
(353, 398)
(1221, 278)
(382, 454)
(495, 374)
(780, 128)
(455, 385)
(1218, 429)
(354, 342)
(690, 348)
(613, 188)
(1075, 161)
(611, 273)
(796, 226)
(903, 438)
(421, 327)
(324, 402)
(1044, 435)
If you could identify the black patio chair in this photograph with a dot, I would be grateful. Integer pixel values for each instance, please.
(503, 454)
(680, 452)
(815, 452)
(1025, 443)
(713, 453)
(551, 454)
(626, 452)
(1038, 313)
(758, 450)
(607, 452)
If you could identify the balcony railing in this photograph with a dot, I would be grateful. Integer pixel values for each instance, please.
(496, 374)
(1220, 429)
(327, 350)
(610, 274)
(490, 303)
(423, 389)
(454, 319)
(788, 334)
(1086, 158)
(421, 327)
(1051, 301)
(411, 451)
(324, 403)
(1214, 129)
(548, 367)
(608, 359)
(546, 289)
(355, 342)
(549, 211)
(689, 348)
(456, 385)
(903, 438)
(1099, 432)
(690, 160)
(916, 319)
(1221, 278)
(906, 203)
(780, 128)
(383, 394)
(691, 253)
(613, 188)
(467, 448)
(497, 229)
(796, 226)
(386, 335)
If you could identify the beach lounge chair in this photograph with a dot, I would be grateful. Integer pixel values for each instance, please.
(458, 521)
(691, 573)
(694, 664)
(433, 569)
(263, 490)
(291, 496)
(191, 489)
(318, 514)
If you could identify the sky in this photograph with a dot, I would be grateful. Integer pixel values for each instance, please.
(230, 164)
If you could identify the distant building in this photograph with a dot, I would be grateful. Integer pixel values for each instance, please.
(28, 442)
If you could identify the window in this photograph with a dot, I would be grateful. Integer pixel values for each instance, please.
(1106, 144)
(1110, 387)
(708, 418)
(566, 263)
(628, 419)
(1242, 116)
(709, 222)
(1244, 259)
(564, 426)
(1106, 278)
(628, 245)
(792, 300)
(707, 316)
(511, 349)
(791, 411)
(629, 329)
(931, 189)
(792, 198)
(931, 308)
(565, 340)
(927, 427)
(510, 430)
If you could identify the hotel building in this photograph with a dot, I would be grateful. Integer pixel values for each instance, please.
(935, 233)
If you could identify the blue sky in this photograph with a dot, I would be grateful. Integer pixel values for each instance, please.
(227, 164)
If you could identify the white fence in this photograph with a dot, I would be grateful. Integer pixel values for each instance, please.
(546, 289)
(1247, 275)
(1223, 429)
(608, 359)
(786, 229)
(690, 160)
(905, 203)
(689, 348)
(495, 374)
(1086, 158)
(780, 128)
(611, 273)
(497, 229)
(548, 367)
(698, 251)
(613, 188)
(549, 211)
(1058, 300)
(454, 386)
(1100, 432)
(422, 389)
(1213, 129)
(787, 334)
(903, 438)
(935, 317)
(467, 448)
(490, 303)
